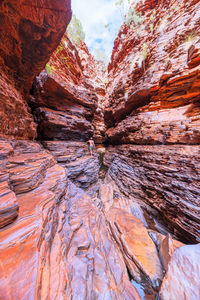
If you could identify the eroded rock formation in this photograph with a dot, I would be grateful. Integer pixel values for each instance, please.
(29, 34)
(153, 93)
(67, 99)
(164, 180)
(75, 226)
(154, 99)
(60, 240)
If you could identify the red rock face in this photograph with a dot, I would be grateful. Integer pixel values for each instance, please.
(60, 232)
(68, 230)
(75, 158)
(153, 98)
(153, 94)
(146, 5)
(67, 100)
(15, 118)
(165, 178)
(29, 32)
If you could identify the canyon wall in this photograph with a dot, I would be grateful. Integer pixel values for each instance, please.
(29, 33)
(67, 103)
(68, 229)
(55, 241)
(153, 103)
(67, 96)
(153, 93)
(60, 246)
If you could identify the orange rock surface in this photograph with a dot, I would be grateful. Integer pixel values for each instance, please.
(77, 225)
(167, 248)
(138, 250)
(153, 92)
(61, 244)
(67, 99)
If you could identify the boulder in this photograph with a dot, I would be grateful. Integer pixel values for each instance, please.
(167, 248)
(138, 249)
(182, 278)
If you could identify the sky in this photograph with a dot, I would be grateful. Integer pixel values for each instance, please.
(94, 15)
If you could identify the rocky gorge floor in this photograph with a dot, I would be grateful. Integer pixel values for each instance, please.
(93, 241)
(125, 222)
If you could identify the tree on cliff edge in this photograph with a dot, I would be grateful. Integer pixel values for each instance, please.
(75, 31)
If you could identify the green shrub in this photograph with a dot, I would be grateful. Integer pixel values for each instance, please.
(75, 31)
(191, 37)
(48, 69)
(153, 15)
(65, 60)
(144, 50)
(133, 18)
(60, 47)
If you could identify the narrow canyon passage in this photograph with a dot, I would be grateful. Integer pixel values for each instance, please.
(123, 223)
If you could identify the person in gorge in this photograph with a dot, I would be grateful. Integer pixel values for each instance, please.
(91, 146)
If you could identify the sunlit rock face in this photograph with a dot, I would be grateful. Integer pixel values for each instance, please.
(153, 92)
(153, 98)
(29, 32)
(68, 229)
(60, 246)
(67, 97)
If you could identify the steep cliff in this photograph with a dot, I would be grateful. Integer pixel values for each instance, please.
(29, 33)
(153, 92)
(154, 99)
(67, 96)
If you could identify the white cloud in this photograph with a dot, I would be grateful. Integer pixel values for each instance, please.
(94, 15)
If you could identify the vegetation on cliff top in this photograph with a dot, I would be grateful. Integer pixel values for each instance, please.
(75, 31)
(76, 35)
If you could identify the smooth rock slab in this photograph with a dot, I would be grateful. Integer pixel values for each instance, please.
(182, 280)
(167, 248)
(137, 247)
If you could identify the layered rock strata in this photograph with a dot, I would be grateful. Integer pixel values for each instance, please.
(70, 234)
(165, 178)
(81, 169)
(153, 106)
(60, 233)
(67, 98)
(29, 34)
(75, 245)
(153, 92)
